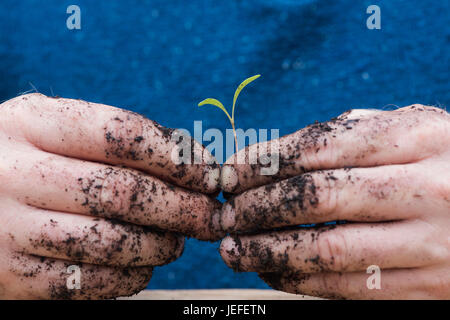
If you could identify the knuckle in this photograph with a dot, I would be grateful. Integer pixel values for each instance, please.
(118, 191)
(439, 189)
(332, 250)
(28, 101)
(124, 244)
(123, 135)
(166, 248)
(426, 123)
(435, 248)
(116, 234)
(303, 190)
(311, 155)
(326, 195)
(335, 286)
(20, 106)
(30, 98)
(131, 281)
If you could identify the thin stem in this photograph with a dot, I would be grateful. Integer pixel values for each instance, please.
(235, 136)
(232, 112)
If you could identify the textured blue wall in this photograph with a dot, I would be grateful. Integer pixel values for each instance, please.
(160, 58)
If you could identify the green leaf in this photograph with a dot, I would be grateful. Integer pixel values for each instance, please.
(239, 89)
(216, 103)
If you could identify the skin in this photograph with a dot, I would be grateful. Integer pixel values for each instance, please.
(95, 186)
(387, 173)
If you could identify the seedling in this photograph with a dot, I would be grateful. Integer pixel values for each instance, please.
(218, 104)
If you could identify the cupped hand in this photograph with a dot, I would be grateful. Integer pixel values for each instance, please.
(386, 173)
(94, 186)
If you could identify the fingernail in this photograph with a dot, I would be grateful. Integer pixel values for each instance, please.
(216, 226)
(230, 253)
(228, 216)
(358, 113)
(212, 179)
(228, 178)
(228, 246)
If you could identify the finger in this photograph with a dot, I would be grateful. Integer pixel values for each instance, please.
(365, 139)
(102, 133)
(44, 278)
(91, 240)
(344, 248)
(395, 284)
(71, 185)
(361, 194)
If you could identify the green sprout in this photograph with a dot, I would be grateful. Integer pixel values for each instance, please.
(218, 104)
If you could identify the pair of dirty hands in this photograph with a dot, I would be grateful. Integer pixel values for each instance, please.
(95, 186)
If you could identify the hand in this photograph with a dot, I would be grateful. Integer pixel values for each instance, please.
(386, 173)
(66, 198)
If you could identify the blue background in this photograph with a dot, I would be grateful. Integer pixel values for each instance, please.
(161, 57)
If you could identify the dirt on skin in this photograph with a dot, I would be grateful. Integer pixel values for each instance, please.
(126, 282)
(135, 207)
(293, 283)
(299, 147)
(294, 196)
(138, 198)
(96, 282)
(126, 139)
(88, 245)
(280, 274)
(312, 138)
(298, 193)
